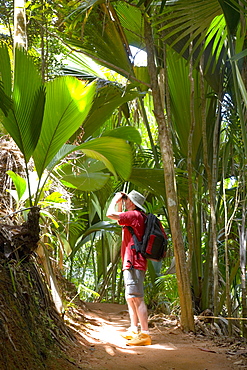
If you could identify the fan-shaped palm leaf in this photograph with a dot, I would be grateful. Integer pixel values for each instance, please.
(185, 18)
(96, 228)
(5, 101)
(84, 176)
(149, 178)
(110, 153)
(127, 133)
(5, 70)
(110, 48)
(109, 97)
(24, 120)
(67, 104)
(200, 24)
(113, 152)
(83, 67)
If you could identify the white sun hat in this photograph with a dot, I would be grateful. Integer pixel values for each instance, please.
(137, 198)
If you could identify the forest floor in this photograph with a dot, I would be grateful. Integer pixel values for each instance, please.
(99, 345)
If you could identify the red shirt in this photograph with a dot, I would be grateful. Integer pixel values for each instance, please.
(130, 258)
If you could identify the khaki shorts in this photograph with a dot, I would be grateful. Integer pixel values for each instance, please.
(133, 281)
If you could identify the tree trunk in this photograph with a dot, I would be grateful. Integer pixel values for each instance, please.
(191, 229)
(187, 321)
(211, 172)
(242, 237)
(20, 33)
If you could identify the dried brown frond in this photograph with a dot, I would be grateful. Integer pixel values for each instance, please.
(11, 159)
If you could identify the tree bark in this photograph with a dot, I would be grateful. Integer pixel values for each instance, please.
(191, 229)
(211, 172)
(242, 252)
(20, 32)
(187, 321)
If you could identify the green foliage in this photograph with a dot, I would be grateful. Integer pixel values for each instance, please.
(40, 130)
(84, 175)
(72, 100)
(161, 292)
(200, 42)
(5, 101)
(108, 97)
(20, 185)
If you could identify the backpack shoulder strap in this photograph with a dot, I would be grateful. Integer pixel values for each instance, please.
(137, 244)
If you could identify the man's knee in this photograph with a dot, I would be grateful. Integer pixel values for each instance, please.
(135, 300)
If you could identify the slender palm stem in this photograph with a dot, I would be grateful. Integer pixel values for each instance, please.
(29, 186)
(145, 120)
(237, 92)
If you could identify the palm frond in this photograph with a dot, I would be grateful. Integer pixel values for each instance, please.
(102, 40)
(191, 24)
(115, 153)
(67, 105)
(127, 133)
(5, 101)
(150, 179)
(5, 70)
(109, 97)
(24, 120)
(86, 176)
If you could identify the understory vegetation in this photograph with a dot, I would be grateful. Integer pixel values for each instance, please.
(82, 116)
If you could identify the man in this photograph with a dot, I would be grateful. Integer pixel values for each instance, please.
(134, 264)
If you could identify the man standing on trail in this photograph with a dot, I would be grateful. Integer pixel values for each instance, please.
(134, 264)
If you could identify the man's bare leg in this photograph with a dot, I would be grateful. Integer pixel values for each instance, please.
(142, 313)
(133, 313)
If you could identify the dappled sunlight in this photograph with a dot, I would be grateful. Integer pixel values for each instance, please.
(166, 346)
(108, 333)
(110, 337)
(98, 329)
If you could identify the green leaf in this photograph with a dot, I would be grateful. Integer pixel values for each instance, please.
(5, 70)
(150, 179)
(82, 66)
(131, 18)
(104, 41)
(142, 75)
(102, 226)
(82, 287)
(115, 153)
(108, 98)
(55, 197)
(84, 175)
(86, 181)
(241, 86)
(239, 56)
(62, 153)
(51, 217)
(185, 24)
(5, 101)
(19, 182)
(231, 13)
(127, 133)
(67, 105)
(23, 123)
(98, 227)
(66, 246)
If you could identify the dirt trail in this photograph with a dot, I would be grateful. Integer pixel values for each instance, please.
(170, 350)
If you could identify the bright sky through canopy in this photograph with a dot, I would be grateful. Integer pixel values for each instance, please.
(139, 56)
